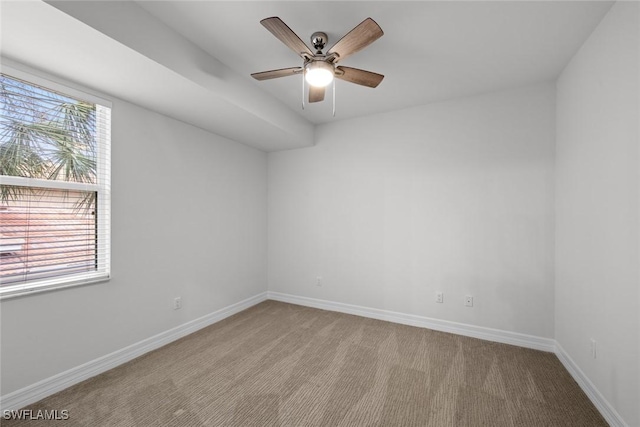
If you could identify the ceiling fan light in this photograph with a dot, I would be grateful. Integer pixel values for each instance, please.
(318, 73)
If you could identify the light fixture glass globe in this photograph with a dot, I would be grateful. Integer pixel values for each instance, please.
(319, 73)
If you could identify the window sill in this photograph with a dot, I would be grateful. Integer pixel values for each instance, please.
(18, 291)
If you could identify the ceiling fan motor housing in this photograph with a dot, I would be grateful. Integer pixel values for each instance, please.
(319, 40)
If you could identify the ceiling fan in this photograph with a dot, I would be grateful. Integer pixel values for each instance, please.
(320, 68)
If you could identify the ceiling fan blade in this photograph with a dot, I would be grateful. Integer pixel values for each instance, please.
(316, 94)
(286, 35)
(357, 76)
(274, 74)
(360, 37)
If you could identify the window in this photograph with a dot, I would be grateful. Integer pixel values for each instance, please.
(55, 185)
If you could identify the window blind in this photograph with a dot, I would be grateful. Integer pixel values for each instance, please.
(55, 185)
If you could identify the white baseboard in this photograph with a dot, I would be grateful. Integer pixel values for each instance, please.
(489, 334)
(608, 412)
(30, 394)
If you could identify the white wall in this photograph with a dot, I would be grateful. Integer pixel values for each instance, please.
(597, 222)
(189, 220)
(454, 197)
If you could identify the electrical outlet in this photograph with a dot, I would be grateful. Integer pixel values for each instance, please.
(468, 301)
(319, 281)
(439, 297)
(177, 303)
(593, 348)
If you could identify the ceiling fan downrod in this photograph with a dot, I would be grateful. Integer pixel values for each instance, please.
(318, 41)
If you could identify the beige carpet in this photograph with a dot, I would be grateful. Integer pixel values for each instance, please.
(278, 364)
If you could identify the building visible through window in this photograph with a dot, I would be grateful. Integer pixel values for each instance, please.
(55, 189)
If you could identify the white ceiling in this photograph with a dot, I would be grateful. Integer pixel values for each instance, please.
(192, 60)
(430, 51)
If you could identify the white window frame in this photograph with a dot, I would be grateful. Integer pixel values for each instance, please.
(102, 187)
